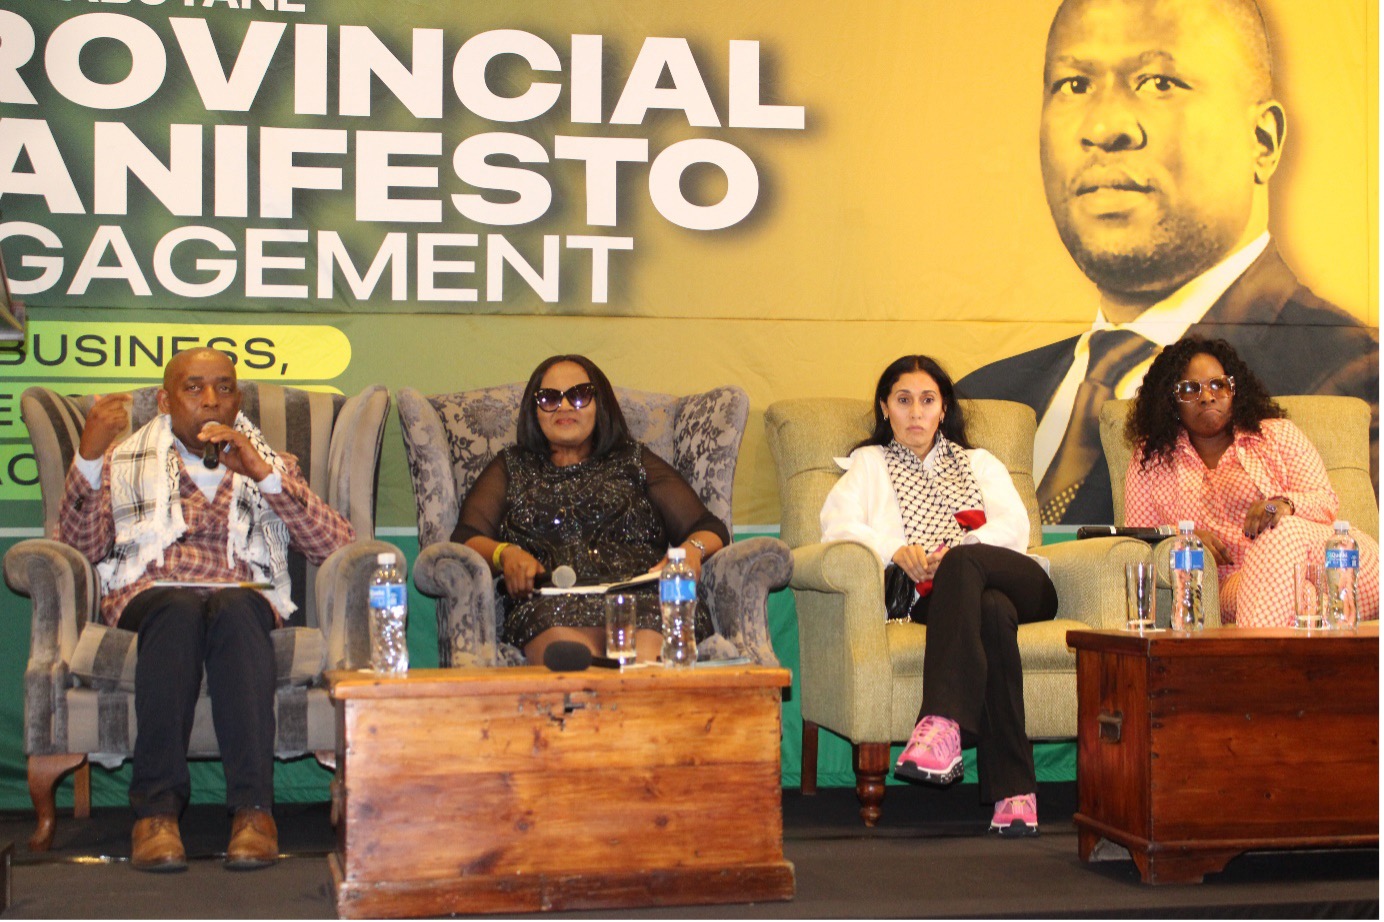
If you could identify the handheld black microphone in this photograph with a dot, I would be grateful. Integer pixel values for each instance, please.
(567, 656)
(1151, 534)
(210, 450)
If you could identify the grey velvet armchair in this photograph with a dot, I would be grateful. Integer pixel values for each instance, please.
(1339, 427)
(449, 438)
(862, 678)
(79, 682)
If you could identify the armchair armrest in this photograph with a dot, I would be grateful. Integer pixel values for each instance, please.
(736, 583)
(467, 631)
(65, 592)
(843, 640)
(839, 567)
(850, 570)
(343, 601)
(1090, 580)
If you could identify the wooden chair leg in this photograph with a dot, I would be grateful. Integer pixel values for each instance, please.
(44, 774)
(871, 762)
(808, 781)
(81, 791)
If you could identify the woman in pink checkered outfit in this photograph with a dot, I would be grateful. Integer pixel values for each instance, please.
(1211, 445)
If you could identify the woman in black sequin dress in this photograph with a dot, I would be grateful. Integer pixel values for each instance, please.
(577, 490)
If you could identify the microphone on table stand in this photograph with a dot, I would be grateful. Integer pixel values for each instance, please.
(567, 656)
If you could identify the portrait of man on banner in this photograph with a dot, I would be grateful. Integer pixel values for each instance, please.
(1160, 132)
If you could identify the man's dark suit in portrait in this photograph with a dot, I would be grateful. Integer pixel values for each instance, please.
(1159, 135)
(195, 496)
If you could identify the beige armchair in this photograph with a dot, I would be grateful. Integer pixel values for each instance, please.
(862, 678)
(1339, 427)
(79, 682)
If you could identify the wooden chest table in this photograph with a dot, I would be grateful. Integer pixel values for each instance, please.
(522, 790)
(1191, 750)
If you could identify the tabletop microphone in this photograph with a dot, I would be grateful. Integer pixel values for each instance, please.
(567, 656)
(210, 450)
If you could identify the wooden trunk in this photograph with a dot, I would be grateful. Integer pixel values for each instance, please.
(521, 790)
(1193, 749)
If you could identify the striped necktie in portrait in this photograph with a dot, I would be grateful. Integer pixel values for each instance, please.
(1113, 354)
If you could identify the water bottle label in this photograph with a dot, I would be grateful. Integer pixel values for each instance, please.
(1343, 558)
(1189, 558)
(388, 595)
(677, 590)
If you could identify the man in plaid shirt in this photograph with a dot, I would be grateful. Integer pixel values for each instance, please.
(156, 509)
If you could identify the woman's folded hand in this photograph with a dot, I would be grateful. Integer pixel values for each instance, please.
(520, 568)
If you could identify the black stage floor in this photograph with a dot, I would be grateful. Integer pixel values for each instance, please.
(926, 859)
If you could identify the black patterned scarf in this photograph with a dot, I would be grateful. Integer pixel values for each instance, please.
(940, 505)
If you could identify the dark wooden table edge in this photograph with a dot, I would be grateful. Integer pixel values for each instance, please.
(1227, 639)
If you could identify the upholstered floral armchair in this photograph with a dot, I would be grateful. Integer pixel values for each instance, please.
(79, 682)
(449, 438)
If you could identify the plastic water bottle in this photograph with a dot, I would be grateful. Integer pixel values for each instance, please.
(1188, 561)
(677, 593)
(388, 618)
(1341, 598)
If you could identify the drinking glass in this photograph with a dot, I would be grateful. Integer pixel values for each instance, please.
(1307, 596)
(621, 623)
(1139, 596)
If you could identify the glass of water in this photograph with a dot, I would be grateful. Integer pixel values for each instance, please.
(621, 609)
(1307, 597)
(1139, 596)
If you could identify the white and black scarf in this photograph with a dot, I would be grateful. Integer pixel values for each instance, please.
(934, 503)
(148, 512)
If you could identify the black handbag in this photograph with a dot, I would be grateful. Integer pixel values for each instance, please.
(898, 592)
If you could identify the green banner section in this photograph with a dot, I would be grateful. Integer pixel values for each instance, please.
(18, 471)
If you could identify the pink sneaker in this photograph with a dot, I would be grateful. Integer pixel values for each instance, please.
(1016, 816)
(933, 753)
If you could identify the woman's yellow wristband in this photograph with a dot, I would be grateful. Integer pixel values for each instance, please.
(495, 554)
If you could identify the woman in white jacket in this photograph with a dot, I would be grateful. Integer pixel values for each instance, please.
(948, 516)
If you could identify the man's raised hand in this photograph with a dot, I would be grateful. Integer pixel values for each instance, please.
(108, 419)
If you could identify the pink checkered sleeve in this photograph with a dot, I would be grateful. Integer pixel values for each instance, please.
(1298, 467)
(314, 528)
(85, 521)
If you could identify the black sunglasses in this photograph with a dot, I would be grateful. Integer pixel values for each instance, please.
(549, 399)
